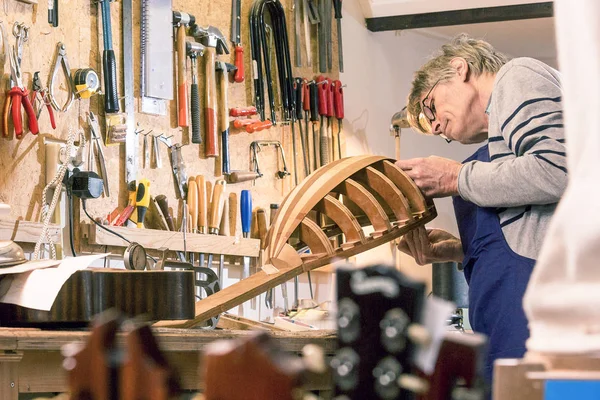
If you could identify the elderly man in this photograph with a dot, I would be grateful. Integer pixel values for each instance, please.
(505, 193)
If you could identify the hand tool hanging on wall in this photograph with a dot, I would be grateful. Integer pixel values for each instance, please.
(329, 38)
(256, 148)
(305, 17)
(299, 90)
(297, 28)
(258, 37)
(17, 95)
(224, 231)
(131, 138)
(323, 89)
(337, 7)
(41, 99)
(306, 108)
(109, 62)
(95, 150)
(216, 213)
(331, 142)
(261, 223)
(163, 205)
(156, 48)
(53, 12)
(194, 50)
(242, 111)
(214, 42)
(338, 105)
(236, 39)
(86, 83)
(61, 61)
(192, 201)
(181, 21)
(314, 117)
(246, 214)
(223, 69)
(322, 36)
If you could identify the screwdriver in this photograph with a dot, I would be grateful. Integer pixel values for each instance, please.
(306, 108)
(246, 213)
(298, 83)
(329, 114)
(338, 105)
(314, 117)
(323, 88)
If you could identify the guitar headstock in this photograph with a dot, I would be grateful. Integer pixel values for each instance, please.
(260, 370)
(393, 344)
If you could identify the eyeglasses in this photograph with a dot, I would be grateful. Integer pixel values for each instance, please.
(429, 112)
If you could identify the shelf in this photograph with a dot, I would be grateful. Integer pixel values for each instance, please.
(26, 231)
(156, 239)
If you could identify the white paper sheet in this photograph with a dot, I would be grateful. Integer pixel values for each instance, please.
(38, 289)
(29, 266)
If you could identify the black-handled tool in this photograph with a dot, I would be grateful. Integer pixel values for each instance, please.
(195, 49)
(299, 89)
(109, 61)
(314, 117)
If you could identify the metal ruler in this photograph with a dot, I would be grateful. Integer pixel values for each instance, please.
(131, 140)
(156, 30)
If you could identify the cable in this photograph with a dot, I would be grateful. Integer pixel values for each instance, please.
(100, 225)
(70, 196)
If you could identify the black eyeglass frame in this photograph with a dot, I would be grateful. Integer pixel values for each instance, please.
(428, 112)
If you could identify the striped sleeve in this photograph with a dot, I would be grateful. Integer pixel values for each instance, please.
(526, 106)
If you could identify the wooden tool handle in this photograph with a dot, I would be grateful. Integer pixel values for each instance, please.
(192, 200)
(259, 126)
(233, 210)
(224, 225)
(223, 114)
(216, 209)
(202, 203)
(161, 201)
(209, 193)
(210, 104)
(242, 176)
(182, 102)
(261, 219)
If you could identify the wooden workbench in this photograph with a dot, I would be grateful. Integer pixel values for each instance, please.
(31, 360)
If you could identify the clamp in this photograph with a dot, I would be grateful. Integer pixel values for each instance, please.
(256, 148)
(41, 98)
(61, 58)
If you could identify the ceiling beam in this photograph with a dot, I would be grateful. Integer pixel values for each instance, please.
(461, 17)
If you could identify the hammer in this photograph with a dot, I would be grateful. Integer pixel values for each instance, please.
(180, 21)
(214, 41)
(193, 51)
(224, 68)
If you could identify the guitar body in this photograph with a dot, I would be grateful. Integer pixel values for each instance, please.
(157, 295)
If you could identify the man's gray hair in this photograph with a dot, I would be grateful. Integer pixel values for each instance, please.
(480, 56)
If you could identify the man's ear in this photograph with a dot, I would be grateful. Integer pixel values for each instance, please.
(462, 68)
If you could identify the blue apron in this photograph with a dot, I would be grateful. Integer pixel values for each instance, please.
(497, 278)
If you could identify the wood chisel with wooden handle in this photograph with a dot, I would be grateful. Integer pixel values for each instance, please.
(202, 210)
(261, 224)
(215, 215)
(246, 215)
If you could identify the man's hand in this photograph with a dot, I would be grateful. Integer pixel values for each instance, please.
(431, 245)
(435, 176)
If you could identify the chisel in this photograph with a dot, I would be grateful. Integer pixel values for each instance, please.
(223, 231)
(215, 215)
(202, 213)
(261, 223)
(246, 214)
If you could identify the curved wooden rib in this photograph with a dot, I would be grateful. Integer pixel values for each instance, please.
(367, 202)
(413, 195)
(386, 189)
(316, 240)
(343, 218)
(313, 189)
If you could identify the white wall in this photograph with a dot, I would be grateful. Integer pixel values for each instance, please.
(378, 73)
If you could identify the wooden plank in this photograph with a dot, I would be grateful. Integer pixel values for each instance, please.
(366, 202)
(413, 195)
(26, 231)
(315, 238)
(234, 322)
(343, 218)
(461, 17)
(387, 190)
(289, 265)
(197, 243)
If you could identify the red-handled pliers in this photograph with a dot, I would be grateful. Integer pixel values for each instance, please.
(18, 95)
(40, 97)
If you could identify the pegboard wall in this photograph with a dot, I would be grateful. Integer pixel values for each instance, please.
(80, 29)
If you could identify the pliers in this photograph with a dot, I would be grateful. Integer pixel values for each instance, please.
(16, 96)
(39, 98)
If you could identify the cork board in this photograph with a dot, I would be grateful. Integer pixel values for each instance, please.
(22, 161)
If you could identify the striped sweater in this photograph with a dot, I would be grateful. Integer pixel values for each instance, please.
(527, 174)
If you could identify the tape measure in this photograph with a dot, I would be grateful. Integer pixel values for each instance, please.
(86, 82)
